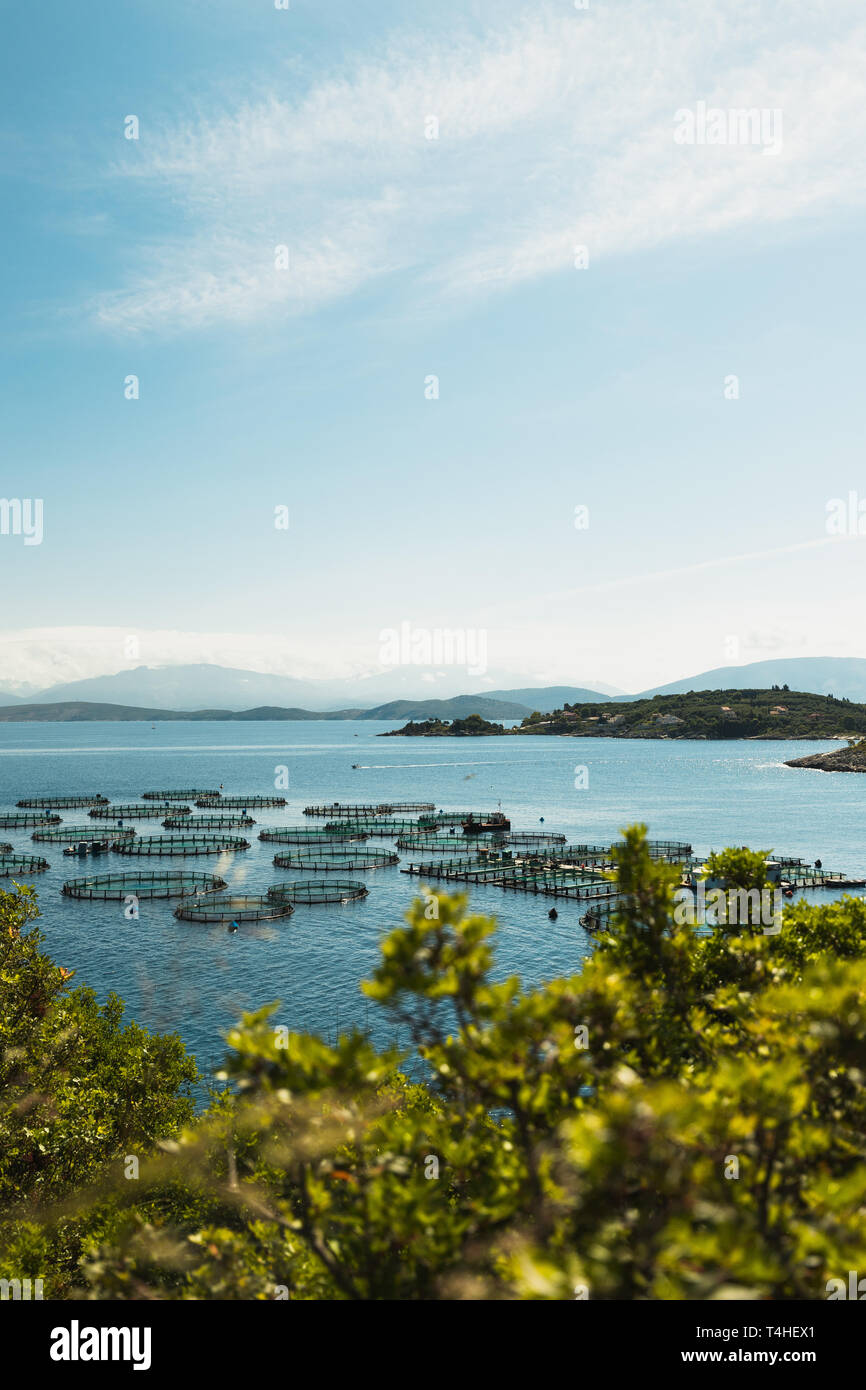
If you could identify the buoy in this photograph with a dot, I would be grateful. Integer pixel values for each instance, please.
(541, 819)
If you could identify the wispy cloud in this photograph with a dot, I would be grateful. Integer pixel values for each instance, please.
(553, 130)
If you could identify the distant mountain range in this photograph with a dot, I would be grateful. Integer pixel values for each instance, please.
(206, 691)
(842, 676)
(78, 711)
(202, 686)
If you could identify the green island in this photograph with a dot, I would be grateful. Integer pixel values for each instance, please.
(471, 726)
(776, 713)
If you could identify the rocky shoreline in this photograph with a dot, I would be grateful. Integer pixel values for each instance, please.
(851, 759)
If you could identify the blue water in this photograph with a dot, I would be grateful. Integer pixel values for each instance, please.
(197, 979)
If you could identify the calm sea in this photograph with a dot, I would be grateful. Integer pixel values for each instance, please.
(197, 979)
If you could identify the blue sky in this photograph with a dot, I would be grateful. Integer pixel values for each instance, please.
(408, 257)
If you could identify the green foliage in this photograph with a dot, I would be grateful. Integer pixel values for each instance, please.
(78, 1089)
(686, 1118)
(739, 868)
(472, 725)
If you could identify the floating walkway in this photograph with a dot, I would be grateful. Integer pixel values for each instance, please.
(80, 834)
(181, 844)
(521, 876)
(13, 864)
(151, 811)
(115, 887)
(23, 820)
(58, 803)
(322, 890)
(249, 908)
(359, 858)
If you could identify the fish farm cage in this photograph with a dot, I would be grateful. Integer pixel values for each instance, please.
(23, 820)
(429, 840)
(530, 837)
(12, 864)
(338, 809)
(76, 834)
(295, 835)
(458, 817)
(187, 794)
(250, 908)
(59, 803)
(359, 858)
(178, 822)
(321, 890)
(239, 802)
(175, 883)
(386, 828)
(182, 844)
(553, 880)
(152, 811)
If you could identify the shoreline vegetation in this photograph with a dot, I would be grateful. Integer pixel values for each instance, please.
(777, 713)
(570, 1138)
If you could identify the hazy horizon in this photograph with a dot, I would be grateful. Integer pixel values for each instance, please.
(323, 321)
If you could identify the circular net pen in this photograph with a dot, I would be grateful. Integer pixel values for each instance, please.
(187, 794)
(60, 802)
(182, 844)
(195, 823)
(318, 890)
(334, 860)
(13, 864)
(359, 811)
(76, 834)
(23, 820)
(136, 812)
(115, 887)
(425, 840)
(237, 909)
(449, 818)
(529, 839)
(294, 835)
(386, 828)
(240, 802)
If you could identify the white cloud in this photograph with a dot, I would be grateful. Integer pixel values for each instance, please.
(554, 129)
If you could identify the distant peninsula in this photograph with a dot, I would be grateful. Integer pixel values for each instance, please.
(777, 713)
(851, 759)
